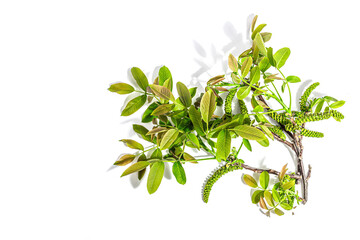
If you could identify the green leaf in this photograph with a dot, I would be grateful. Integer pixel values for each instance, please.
(245, 68)
(165, 74)
(142, 131)
(147, 117)
(285, 206)
(156, 154)
(207, 105)
(268, 198)
(195, 117)
(169, 137)
(250, 181)
(337, 104)
(233, 64)
(253, 23)
(194, 140)
(267, 131)
(133, 105)
(140, 78)
(260, 44)
(319, 105)
(276, 195)
(288, 185)
(254, 75)
(135, 168)
(264, 64)
(184, 94)
(121, 88)
(179, 172)
(249, 132)
(247, 144)
(293, 79)
(162, 109)
(132, 144)
(155, 176)
(223, 145)
(264, 179)
(255, 198)
(278, 212)
(264, 142)
(243, 92)
(281, 56)
(192, 91)
(257, 30)
(125, 159)
(162, 92)
(258, 108)
(266, 36)
(271, 57)
(141, 173)
(157, 130)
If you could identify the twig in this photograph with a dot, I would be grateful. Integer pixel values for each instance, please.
(270, 171)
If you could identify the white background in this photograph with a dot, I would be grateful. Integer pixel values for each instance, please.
(59, 126)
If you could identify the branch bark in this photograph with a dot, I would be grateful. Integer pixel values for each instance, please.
(270, 171)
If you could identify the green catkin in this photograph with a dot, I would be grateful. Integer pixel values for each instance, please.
(313, 117)
(304, 98)
(228, 102)
(336, 115)
(278, 131)
(303, 131)
(243, 108)
(214, 177)
(280, 118)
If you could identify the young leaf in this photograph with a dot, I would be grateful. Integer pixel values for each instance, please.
(281, 56)
(245, 68)
(267, 131)
(278, 212)
(194, 140)
(293, 79)
(253, 23)
(184, 94)
(264, 179)
(223, 145)
(288, 185)
(264, 142)
(260, 44)
(233, 64)
(179, 172)
(134, 105)
(319, 105)
(156, 154)
(250, 181)
(121, 88)
(157, 130)
(337, 104)
(141, 173)
(254, 75)
(147, 117)
(132, 144)
(195, 117)
(266, 36)
(140, 78)
(276, 195)
(169, 137)
(162, 92)
(192, 91)
(247, 144)
(264, 64)
(250, 133)
(207, 105)
(255, 198)
(125, 159)
(243, 92)
(155, 176)
(262, 203)
(271, 57)
(135, 168)
(165, 74)
(162, 109)
(257, 30)
(285, 206)
(283, 172)
(268, 198)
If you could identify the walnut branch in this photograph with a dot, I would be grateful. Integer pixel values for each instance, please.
(270, 171)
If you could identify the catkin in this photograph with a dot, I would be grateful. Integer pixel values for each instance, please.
(277, 130)
(304, 98)
(214, 177)
(228, 102)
